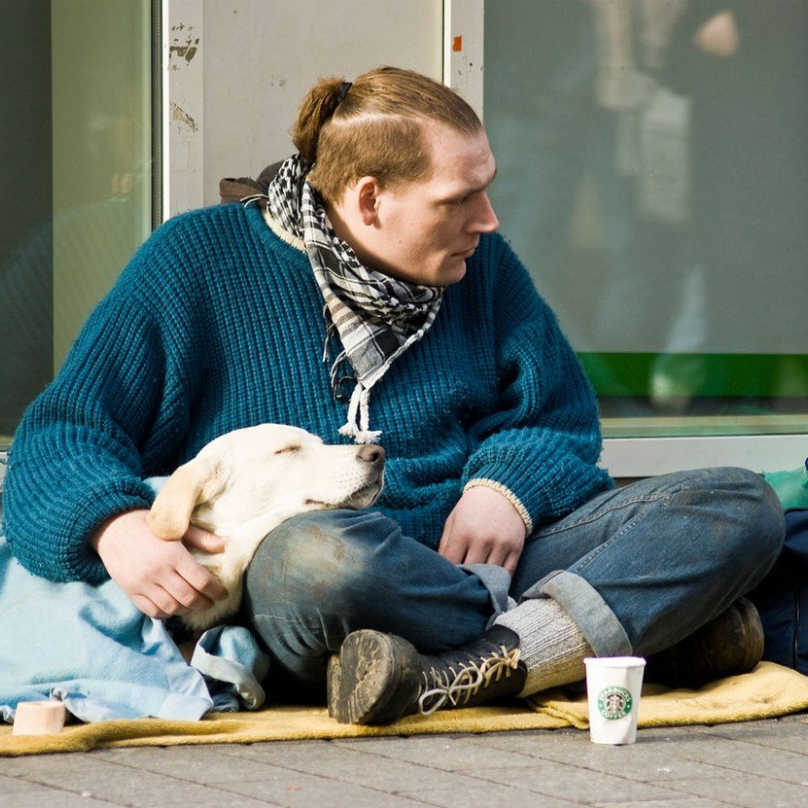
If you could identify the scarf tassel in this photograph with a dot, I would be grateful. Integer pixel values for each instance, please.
(358, 423)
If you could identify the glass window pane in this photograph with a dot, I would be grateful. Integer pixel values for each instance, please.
(653, 176)
(75, 160)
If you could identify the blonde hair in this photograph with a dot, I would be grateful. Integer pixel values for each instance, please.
(374, 127)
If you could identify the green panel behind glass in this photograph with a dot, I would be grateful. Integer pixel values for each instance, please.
(757, 376)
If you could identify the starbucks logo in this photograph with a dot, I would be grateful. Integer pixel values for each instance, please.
(614, 703)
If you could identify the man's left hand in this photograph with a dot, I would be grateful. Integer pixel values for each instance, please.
(483, 528)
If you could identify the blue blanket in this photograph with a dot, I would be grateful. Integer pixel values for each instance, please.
(90, 647)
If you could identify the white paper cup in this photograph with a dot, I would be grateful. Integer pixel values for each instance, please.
(613, 686)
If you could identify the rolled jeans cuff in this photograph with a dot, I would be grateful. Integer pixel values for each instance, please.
(497, 581)
(587, 609)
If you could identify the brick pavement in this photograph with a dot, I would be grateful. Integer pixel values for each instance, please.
(760, 764)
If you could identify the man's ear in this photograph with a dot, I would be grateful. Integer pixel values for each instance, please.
(170, 515)
(366, 198)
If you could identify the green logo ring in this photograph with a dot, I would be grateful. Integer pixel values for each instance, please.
(614, 703)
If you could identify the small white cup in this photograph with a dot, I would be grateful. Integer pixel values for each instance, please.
(613, 686)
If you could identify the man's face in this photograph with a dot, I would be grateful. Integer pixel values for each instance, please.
(429, 228)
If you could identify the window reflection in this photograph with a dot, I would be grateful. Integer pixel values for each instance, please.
(654, 179)
(77, 169)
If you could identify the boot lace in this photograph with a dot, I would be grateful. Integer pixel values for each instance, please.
(457, 684)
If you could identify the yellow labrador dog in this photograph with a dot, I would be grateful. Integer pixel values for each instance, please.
(245, 483)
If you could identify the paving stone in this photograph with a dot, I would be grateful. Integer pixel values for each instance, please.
(797, 743)
(742, 756)
(688, 733)
(543, 735)
(219, 763)
(745, 791)
(353, 764)
(216, 798)
(16, 785)
(489, 795)
(114, 783)
(752, 765)
(514, 741)
(676, 802)
(445, 754)
(803, 716)
(575, 784)
(795, 721)
(641, 761)
(298, 790)
(790, 735)
(51, 799)
(19, 793)
(32, 764)
(385, 774)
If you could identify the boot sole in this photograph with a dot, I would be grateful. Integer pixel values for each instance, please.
(374, 680)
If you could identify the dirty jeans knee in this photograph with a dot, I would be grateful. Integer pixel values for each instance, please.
(663, 556)
(760, 523)
(321, 575)
(729, 531)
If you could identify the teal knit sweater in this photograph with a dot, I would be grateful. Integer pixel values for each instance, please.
(217, 324)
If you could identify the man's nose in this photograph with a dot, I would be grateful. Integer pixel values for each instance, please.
(486, 220)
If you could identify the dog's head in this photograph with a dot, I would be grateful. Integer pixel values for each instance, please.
(250, 480)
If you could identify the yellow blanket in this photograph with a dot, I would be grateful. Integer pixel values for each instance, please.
(769, 691)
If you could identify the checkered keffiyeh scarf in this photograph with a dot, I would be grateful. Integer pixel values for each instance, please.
(377, 317)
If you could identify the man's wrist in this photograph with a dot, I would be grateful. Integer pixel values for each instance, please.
(508, 494)
(108, 527)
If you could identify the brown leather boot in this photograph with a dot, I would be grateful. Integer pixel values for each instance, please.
(729, 645)
(377, 678)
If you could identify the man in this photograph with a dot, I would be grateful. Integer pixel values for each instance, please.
(375, 267)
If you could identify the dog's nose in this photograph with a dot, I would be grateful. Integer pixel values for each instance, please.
(371, 453)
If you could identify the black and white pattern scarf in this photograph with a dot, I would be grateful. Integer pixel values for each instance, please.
(376, 316)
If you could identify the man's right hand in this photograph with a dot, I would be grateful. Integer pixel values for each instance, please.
(160, 577)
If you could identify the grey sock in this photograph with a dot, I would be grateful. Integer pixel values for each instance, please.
(550, 644)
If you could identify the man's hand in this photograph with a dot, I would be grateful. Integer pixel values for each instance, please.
(160, 577)
(483, 528)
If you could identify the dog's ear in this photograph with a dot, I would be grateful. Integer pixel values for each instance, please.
(189, 485)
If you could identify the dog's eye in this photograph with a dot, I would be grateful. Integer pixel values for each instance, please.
(287, 449)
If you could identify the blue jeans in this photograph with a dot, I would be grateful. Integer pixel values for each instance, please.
(637, 569)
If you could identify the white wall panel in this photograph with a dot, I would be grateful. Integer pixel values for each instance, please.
(258, 58)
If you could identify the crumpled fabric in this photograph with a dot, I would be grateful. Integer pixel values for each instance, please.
(234, 666)
(90, 647)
